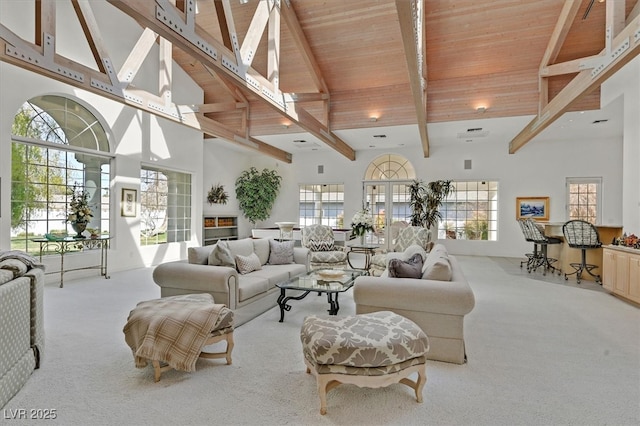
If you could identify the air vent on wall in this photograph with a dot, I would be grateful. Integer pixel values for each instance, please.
(474, 132)
(600, 121)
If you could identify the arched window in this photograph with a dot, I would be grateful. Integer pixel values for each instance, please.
(59, 147)
(386, 196)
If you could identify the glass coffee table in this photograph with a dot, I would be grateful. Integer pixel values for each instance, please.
(329, 281)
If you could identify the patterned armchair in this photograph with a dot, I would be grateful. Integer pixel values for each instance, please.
(406, 237)
(320, 241)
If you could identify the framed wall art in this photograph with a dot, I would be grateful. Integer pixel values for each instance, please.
(536, 208)
(129, 202)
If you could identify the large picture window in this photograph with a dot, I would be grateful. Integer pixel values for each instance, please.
(470, 212)
(58, 145)
(322, 204)
(165, 206)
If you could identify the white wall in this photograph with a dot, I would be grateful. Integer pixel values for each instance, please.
(626, 83)
(136, 137)
(539, 169)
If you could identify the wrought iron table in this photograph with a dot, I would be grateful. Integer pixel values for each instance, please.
(367, 249)
(313, 281)
(68, 244)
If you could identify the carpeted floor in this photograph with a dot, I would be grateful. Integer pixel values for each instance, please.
(540, 353)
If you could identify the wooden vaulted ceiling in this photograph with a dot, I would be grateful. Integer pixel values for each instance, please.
(331, 65)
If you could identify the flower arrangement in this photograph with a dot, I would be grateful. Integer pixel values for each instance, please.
(361, 223)
(79, 210)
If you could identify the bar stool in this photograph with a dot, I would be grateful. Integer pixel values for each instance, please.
(582, 235)
(532, 257)
(538, 237)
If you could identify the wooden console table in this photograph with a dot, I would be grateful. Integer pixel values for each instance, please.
(67, 244)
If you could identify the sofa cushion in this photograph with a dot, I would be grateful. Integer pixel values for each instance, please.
(221, 255)
(199, 255)
(408, 253)
(437, 266)
(281, 252)
(261, 248)
(411, 268)
(246, 264)
(243, 247)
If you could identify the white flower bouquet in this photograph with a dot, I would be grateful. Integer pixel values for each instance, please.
(361, 223)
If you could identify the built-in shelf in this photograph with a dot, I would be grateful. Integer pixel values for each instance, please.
(219, 228)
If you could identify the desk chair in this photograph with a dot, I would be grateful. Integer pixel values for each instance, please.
(537, 236)
(582, 235)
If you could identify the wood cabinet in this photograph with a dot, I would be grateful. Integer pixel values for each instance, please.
(621, 271)
(219, 228)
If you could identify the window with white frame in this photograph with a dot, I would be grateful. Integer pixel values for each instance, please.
(584, 199)
(165, 206)
(470, 212)
(58, 145)
(322, 204)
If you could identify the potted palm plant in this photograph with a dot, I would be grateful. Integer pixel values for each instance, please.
(425, 201)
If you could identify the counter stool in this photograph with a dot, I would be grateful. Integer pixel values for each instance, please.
(368, 350)
(538, 237)
(580, 234)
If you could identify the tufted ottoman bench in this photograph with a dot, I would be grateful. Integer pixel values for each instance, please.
(368, 350)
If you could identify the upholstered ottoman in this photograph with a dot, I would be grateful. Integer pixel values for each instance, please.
(171, 332)
(369, 350)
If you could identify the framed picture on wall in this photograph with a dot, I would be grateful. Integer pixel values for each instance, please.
(536, 208)
(128, 204)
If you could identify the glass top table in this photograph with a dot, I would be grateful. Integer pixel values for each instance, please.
(329, 281)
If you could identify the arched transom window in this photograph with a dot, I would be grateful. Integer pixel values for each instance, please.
(390, 167)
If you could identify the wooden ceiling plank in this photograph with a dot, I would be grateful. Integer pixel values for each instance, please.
(91, 31)
(145, 13)
(634, 12)
(299, 38)
(582, 84)
(411, 19)
(254, 34)
(136, 57)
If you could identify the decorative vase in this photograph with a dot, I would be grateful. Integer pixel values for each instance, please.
(79, 228)
(362, 239)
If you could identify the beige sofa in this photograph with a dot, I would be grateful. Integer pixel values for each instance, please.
(21, 325)
(249, 294)
(438, 307)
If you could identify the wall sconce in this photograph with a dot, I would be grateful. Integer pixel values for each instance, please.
(481, 109)
(373, 118)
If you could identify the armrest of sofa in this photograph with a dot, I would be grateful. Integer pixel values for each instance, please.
(302, 256)
(199, 278)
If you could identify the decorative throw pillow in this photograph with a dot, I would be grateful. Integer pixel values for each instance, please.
(221, 255)
(281, 252)
(321, 245)
(437, 267)
(411, 268)
(246, 264)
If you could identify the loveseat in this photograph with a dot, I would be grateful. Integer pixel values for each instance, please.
(241, 274)
(437, 301)
(21, 322)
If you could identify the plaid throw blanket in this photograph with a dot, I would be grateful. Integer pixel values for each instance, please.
(171, 330)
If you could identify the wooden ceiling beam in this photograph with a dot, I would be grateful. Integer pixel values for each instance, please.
(164, 21)
(254, 34)
(220, 107)
(273, 43)
(558, 36)
(45, 20)
(91, 31)
(626, 46)
(411, 19)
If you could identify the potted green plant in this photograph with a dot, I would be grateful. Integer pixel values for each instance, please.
(217, 195)
(256, 193)
(425, 201)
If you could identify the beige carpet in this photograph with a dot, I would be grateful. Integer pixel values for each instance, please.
(539, 354)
